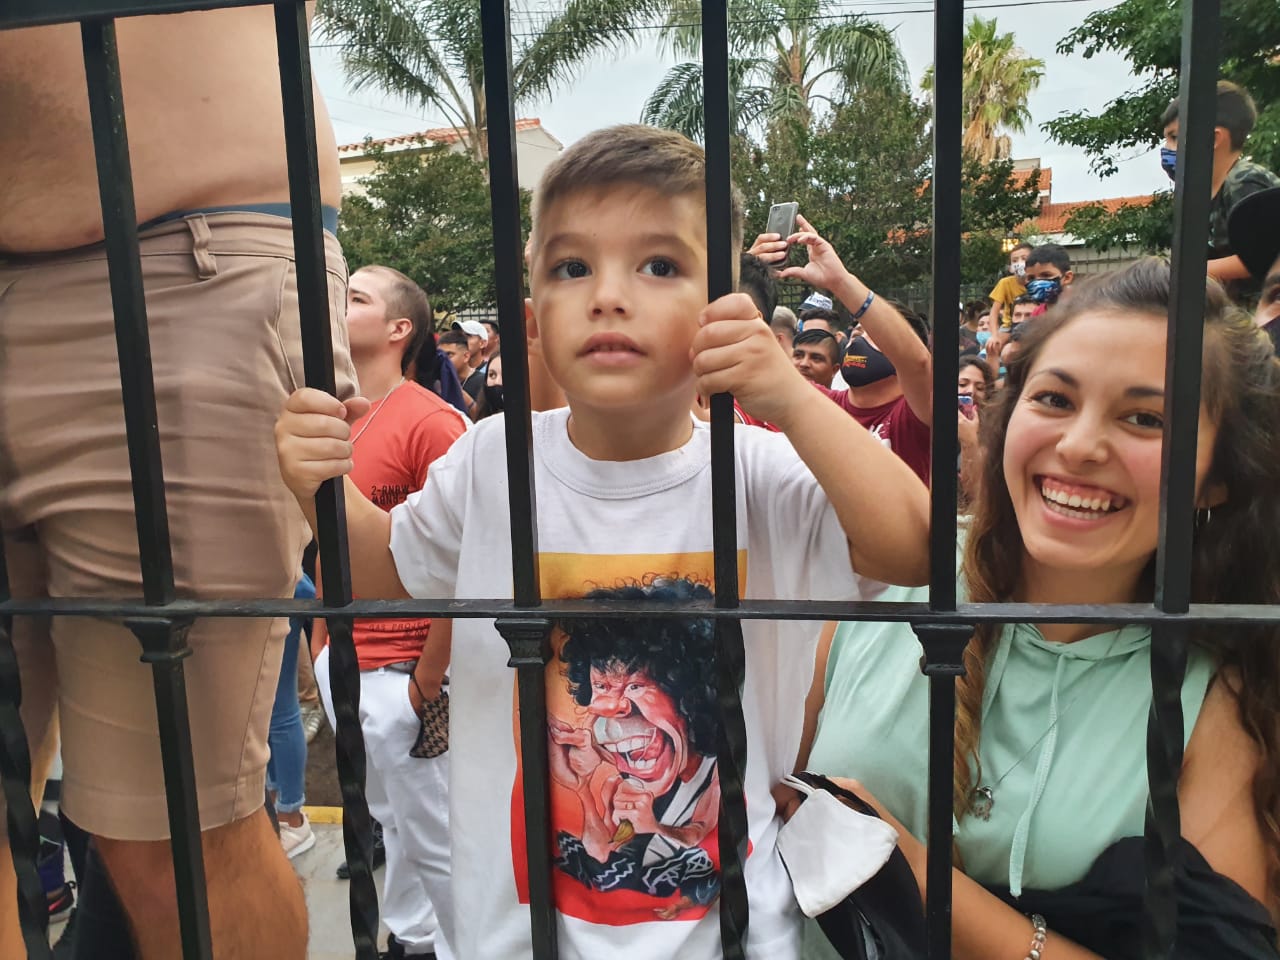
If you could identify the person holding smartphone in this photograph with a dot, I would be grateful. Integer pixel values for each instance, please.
(888, 367)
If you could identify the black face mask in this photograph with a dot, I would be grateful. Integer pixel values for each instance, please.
(493, 396)
(865, 365)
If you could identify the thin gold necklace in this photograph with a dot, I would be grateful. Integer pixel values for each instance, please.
(382, 403)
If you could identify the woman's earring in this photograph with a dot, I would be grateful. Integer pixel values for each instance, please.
(1204, 516)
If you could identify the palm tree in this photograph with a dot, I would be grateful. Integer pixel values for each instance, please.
(779, 51)
(998, 79)
(428, 53)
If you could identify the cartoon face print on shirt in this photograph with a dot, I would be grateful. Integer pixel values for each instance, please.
(632, 730)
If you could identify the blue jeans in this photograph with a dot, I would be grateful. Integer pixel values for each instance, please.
(287, 768)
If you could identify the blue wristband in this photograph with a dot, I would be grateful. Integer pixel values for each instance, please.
(865, 305)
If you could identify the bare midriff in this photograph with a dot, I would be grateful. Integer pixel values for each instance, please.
(202, 109)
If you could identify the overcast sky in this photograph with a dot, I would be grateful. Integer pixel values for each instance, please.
(613, 91)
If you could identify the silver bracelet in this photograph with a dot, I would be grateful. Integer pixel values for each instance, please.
(1038, 935)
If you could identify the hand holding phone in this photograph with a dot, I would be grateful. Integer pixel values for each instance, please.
(966, 406)
(771, 246)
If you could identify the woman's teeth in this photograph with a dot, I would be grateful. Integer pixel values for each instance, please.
(1078, 507)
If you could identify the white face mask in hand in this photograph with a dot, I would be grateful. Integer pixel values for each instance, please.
(829, 849)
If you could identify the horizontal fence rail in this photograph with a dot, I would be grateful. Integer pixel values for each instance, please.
(1197, 614)
(943, 623)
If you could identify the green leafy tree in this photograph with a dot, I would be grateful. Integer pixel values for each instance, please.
(862, 177)
(781, 52)
(998, 79)
(993, 202)
(427, 214)
(1147, 33)
(428, 53)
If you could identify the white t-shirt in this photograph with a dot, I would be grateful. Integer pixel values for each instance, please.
(633, 726)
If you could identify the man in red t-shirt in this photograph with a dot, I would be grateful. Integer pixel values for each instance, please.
(402, 662)
(888, 368)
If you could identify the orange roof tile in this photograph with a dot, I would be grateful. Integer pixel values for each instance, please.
(1020, 177)
(435, 135)
(1053, 216)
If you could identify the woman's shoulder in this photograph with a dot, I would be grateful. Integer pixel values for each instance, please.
(864, 653)
(1216, 791)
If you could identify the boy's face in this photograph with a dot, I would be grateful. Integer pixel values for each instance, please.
(367, 327)
(1047, 271)
(617, 278)
(1022, 312)
(1221, 137)
(1018, 256)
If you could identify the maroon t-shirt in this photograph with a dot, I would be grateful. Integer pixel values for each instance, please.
(895, 425)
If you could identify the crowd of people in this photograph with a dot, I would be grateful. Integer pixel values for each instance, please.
(1060, 414)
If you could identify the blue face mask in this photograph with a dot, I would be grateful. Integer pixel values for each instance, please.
(983, 337)
(1044, 291)
(1003, 370)
(1169, 161)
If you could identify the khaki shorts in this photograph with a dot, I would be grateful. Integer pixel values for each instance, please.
(226, 350)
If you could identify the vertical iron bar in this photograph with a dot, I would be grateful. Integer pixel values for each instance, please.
(1197, 95)
(944, 645)
(943, 661)
(15, 781)
(298, 102)
(504, 192)
(731, 760)
(529, 639)
(133, 343)
(948, 39)
(530, 642)
(1164, 764)
(162, 646)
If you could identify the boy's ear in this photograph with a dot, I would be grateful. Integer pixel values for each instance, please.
(1068, 277)
(400, 329)
(530, 320)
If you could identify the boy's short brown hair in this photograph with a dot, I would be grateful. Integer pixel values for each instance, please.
(636, 155)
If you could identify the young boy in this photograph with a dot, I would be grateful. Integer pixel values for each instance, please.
(1048, 271)
(1009, 288)
(1234, 179)
(618, 311)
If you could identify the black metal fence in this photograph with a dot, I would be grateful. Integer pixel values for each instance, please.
(160, 621)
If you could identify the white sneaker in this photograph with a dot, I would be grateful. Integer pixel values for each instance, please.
(296, 840)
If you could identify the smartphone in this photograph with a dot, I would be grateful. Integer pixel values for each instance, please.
(966, 406)
(782, 219)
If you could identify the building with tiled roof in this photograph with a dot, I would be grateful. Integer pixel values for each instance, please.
(535, 149)
(1052, 219)
(1050, 226)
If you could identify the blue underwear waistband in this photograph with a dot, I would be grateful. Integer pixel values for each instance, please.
(328, 214)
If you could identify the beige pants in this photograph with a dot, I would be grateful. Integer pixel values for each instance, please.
(226, 349)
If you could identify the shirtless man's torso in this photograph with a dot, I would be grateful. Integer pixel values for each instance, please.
(206, 137)
(205, 124)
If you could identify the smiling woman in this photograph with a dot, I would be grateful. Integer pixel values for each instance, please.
(1050, 786)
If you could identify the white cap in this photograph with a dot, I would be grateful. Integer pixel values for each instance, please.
(472, 328)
